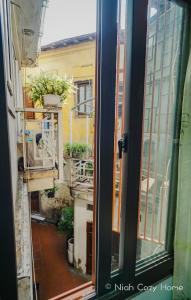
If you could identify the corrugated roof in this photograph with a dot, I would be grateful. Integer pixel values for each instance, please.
(70, 41)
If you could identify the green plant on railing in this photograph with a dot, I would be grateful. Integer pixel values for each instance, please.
(89, 168)
(66, 221)
(76, 150)
(44, 84)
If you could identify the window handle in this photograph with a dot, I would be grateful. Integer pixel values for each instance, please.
(122, 145)
(120, 148)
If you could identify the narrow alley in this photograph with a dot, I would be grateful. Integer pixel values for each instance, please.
(53, 273)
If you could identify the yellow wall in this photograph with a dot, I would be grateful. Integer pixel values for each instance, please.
(77, 62)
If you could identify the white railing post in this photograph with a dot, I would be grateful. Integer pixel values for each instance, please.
(60, 147)
(70, 129)
(87, 130)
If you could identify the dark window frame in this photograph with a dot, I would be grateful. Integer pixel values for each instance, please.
(158, 267)
(150, 270)
(8, 269)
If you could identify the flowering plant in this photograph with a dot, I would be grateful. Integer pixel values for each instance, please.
(45, 84)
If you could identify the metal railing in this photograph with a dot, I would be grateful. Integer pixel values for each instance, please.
(40, 140)
(82, 173)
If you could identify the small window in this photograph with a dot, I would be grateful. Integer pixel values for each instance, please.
(84, 97)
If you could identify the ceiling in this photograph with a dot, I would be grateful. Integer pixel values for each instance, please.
(27, 21)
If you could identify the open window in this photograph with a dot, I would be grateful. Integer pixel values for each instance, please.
(137, 130)
(124, 189)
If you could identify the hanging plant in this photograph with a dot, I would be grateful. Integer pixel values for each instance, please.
(47, 84)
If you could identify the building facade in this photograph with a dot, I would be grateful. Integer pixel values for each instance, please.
(20, 27)
(75, 59)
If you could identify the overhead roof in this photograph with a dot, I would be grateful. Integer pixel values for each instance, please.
(27, 21)
(76, 40)
(70, 41)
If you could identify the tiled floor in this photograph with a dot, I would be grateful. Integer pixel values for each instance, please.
(52, 270)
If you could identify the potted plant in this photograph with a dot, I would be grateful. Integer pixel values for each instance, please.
(47, 89)
(89, 168)
(66, 224)
(50, 193)
(76, 150)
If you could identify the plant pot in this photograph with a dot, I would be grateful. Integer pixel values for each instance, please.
(71, 244)
(51, 194)
(51, 100)
(70, 257)
(76, 155)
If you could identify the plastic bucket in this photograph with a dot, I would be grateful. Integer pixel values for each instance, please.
(70, 256)
(71, 244)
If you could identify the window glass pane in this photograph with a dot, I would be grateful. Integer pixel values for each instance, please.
(82, 98)
(89, 96)
(163, 55)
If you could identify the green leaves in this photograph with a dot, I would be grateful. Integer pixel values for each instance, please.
(49, 84)
(89, 168)
(75, 149)
(66, 222)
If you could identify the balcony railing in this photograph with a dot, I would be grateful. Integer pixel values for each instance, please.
(82, 173)
(40, 144)
(41, 140)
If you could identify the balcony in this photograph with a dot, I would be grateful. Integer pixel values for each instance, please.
(41, 144)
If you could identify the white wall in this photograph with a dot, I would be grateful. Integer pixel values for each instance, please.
(10, 93)
(81, 217)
